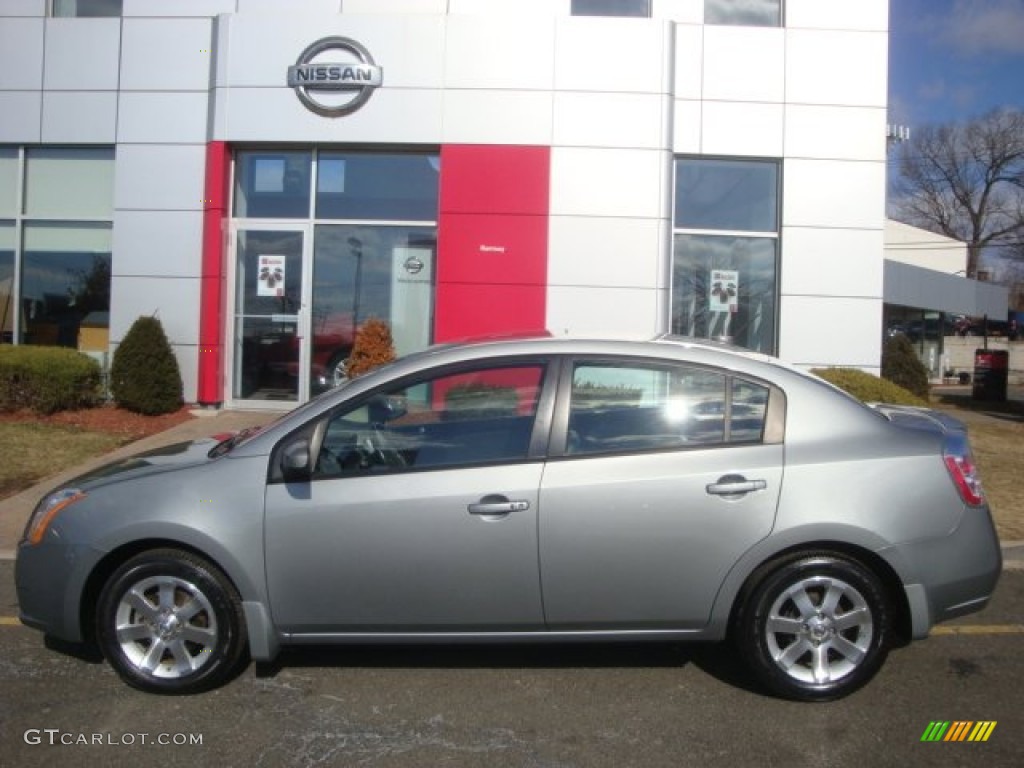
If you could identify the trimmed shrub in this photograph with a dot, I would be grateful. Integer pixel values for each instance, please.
(902, 366)
(372, 348)
(48, 379)
(868, 388)
(144, 375)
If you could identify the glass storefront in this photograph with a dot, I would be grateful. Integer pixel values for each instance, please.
(726, 251)
(326, 240)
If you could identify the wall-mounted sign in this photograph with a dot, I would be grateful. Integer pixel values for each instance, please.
(270, 276)
(723, 291)
(342, 81)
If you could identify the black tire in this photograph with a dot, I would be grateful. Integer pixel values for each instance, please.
(169, 622)
(814, 627)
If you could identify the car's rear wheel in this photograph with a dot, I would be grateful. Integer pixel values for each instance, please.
(170, 622)
(815, 627)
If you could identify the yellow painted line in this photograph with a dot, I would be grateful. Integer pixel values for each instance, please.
(9, 621)
(979, 629)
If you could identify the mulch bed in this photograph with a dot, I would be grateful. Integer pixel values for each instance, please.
(107, 419)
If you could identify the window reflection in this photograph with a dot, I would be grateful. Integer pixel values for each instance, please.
(611, 8)
(751, 13)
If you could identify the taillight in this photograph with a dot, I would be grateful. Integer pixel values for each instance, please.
(962, 469)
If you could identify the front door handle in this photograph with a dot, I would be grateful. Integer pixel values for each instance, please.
(498, 505)
(735, 486)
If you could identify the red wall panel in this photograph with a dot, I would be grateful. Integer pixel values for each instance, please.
(210, 386)
(492, 241)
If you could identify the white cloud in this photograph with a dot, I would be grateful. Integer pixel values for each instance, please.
(976, 27)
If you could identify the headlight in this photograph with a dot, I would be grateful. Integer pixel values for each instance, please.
(47, 509)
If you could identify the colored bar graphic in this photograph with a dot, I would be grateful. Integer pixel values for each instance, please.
(958, 730)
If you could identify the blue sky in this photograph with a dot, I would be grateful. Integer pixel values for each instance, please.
(951, 60)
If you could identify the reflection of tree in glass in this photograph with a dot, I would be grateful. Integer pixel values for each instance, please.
(91, 291)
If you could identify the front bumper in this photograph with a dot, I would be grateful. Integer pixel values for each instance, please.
(50, 579)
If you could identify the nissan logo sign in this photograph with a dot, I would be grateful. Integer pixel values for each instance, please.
(342, 84)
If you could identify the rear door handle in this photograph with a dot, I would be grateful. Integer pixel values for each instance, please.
(498, 505)
(735, 485)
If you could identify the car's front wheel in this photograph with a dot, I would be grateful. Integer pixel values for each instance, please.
(815, 627)
(170, 622)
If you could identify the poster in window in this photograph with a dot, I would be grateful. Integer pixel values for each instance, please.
(270, 277)
(723, 291)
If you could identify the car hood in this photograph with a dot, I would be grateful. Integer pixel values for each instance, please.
(164, 459)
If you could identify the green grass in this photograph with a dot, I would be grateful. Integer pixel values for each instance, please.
(35, 451)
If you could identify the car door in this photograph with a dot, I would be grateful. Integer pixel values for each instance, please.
(421, 512)
(669, 473)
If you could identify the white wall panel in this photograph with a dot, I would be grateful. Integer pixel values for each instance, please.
(392, 115)
(167, 118)
(834, 193)
(609, 252)
(604, 312)
(742, 129)
(21, 54)
(82, 54)
(295, 7)
(158, 243)
(832, 262)
(838, 68)
(258, 49)
(22, 8)
(79, 117)
(686, 127)
(744, 64)
(159, 177)
(497, 117)
(500, 52)
(22, 117)
(607, 182)
(687, 11)
(611, 120)
(612, 54)
(166, 54)
(830, 331)
(516, 7)
(838, 14)
(180, 8)
(839, 133)
(174, 300)
(397, 7)
(689, 61)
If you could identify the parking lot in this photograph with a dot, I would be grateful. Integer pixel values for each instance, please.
(584, 705)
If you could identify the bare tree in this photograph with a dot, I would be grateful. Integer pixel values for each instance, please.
(966, 181)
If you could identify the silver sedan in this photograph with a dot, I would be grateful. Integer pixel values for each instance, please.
(529, 490)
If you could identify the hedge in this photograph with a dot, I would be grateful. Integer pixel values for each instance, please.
(868, 388)
(48, 379)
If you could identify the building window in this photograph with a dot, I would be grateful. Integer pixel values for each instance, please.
(640, 8)
(86, 8)
(747, 13)
(725, 251)
(56, 211)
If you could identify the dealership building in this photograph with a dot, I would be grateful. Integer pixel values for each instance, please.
(266, 176)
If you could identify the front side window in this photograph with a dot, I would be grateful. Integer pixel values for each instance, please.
(86, 8)
(483, 416)
(725, 251)
(749, 13)
(616, 409)
(640, 8)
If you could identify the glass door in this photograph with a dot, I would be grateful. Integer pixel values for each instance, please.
(271, 359)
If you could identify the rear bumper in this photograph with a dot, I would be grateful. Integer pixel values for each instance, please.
(954, 575)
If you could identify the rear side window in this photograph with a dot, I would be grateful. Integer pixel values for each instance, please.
(625, 408)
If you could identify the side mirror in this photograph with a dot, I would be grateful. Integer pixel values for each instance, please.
(296, 464)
